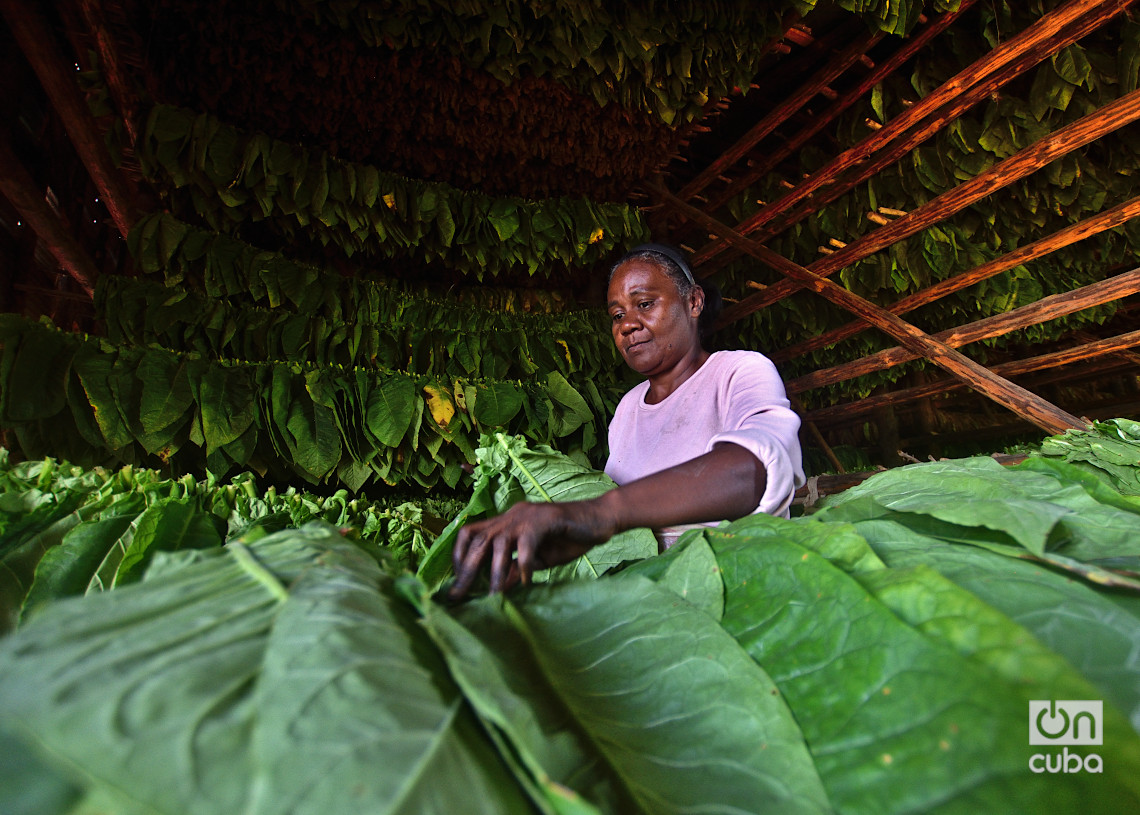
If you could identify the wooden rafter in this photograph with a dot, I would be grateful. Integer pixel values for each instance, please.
(1062, 26)
(40, 49)
(1047, 308)
(111, 65)
(1080, 353)
(1028, 405)
(18, 186)
(911, 46)
(782, 112)
(1111, 117)
(1101, 222)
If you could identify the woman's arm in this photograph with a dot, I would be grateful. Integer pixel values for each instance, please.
(725, 483)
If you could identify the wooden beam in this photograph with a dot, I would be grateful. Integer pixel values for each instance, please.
(1047, 308)
(1090, 350)
(18, 186)
(1025, 404)
(1111, 117)
(910, 46)
(1048, 35)
(1109, 219)
(38, 43)
(111, 66)
(782, 112)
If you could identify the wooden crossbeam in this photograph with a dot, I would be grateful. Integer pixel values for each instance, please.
(782, 112)
(18, 186)
(1109, 219)
(910, 46)
(1047, 308)
(1058, 28)
(1028, 405)
(40, 49)
(1080, 353)
(1111, 117)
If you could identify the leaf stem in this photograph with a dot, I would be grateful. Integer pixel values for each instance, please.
(518, 463)
(258, 572)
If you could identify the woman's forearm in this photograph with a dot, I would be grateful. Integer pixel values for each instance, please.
(726, 483)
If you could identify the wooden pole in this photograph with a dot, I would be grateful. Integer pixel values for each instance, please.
(39, 46)
(1106, 220)
(1052, 32)
(1047, 308)
(910, 46)
(1111, 117)
(1025, 404)
(782, 112)
(1080, 353)
(111, 66)
(18, 186)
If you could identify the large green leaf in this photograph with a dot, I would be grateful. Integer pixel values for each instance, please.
(211, 687)
(1096, 632)
(898, 715)
(668, 702)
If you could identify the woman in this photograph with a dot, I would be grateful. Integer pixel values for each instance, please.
(705, 438)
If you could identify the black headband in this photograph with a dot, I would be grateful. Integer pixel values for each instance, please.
(667, 251)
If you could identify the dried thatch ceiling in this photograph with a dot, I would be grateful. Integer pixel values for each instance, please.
(831, 165)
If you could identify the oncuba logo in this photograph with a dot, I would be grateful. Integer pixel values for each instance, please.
(1062, 723)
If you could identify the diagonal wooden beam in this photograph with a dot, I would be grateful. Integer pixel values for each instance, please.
(1058, 28)
(1109, 219)
(1080, 353)
(782, 112)
(1111, 117)
(1030, 406)
(18, 186)
(910, 46)
(38, 43)
(1039, 311)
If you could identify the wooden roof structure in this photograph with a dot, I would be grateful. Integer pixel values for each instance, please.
(821, 149)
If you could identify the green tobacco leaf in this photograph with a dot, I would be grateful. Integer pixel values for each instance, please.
(226, 399)
(546, 475)
(357, 713)
(671, 705)
(36, 385)
(1095, 631)
(169, 525)
(688, 568)
(212, 688)
(67, 569)
(916, 726)
(496, 403)
(390, 409)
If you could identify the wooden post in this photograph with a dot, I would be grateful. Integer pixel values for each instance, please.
(39, 46)
(1052, 32)
(1113, 116)
(18, 186)
(1025, 404)
(1047, 308)
(1057, 359)
(1101, 222)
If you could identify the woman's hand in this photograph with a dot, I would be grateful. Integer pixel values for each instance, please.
(541, 535)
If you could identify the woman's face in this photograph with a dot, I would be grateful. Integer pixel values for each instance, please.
(653, 326)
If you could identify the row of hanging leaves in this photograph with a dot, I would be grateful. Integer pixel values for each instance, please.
(420, 112)
(1072, 83)
(93, 402)
(665, 58)
(210, 293)
(229, 177)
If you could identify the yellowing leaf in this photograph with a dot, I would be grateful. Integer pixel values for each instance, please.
(390, 200)
(440, 404)
(565, 350)
(597, 235)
